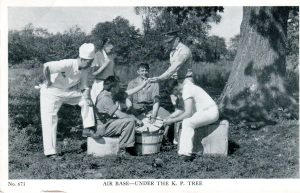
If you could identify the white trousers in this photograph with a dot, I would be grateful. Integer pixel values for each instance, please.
(51, 100)
(97, 87)
(198, 119)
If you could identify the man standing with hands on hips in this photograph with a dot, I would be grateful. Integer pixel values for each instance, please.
(66, 82)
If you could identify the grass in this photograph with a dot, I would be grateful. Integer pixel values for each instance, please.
(270, 152)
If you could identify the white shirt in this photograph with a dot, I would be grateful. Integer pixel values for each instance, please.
(201, 99)
(66, 75)
(182, 57)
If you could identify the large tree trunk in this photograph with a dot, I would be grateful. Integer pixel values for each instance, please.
(256, 84)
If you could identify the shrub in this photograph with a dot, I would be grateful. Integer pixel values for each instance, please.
(212, 74)
(292, 74)
(28, 64)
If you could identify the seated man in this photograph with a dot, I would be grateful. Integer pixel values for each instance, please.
(110, 120)
(146, 99)
(199, 110)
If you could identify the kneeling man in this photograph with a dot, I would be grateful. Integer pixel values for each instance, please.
(199, 110)
(110, 120)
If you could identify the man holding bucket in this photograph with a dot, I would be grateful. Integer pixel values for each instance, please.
(66, 82)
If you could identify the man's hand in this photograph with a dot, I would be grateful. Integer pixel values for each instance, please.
(48, 83)
(153, 79)
(152, 119)
(95, 135)
(89, 102)
(168, 121)
(139, 122)
(145, 83)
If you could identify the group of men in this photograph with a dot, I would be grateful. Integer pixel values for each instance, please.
(106, 111)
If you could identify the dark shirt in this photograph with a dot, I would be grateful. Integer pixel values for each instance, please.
(105, 107)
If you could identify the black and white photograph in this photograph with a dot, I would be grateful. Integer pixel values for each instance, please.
(153, 92)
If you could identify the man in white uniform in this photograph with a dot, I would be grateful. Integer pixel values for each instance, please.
(66, 82)
(199, 110)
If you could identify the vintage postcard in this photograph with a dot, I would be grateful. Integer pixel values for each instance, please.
(131, 96)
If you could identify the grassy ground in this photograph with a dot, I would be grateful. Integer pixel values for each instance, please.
(270, 152)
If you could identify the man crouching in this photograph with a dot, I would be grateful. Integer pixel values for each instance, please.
(111, 121)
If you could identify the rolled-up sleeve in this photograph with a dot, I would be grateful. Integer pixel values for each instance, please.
(131, 85)
(155, 91)
(187, 92)
(84, 79)
(57, 66)
(181, 57)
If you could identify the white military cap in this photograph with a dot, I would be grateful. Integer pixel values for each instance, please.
(87, 51)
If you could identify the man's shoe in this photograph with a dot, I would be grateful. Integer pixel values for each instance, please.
(187, 158)
(54, 157)
(123, 153)
(175, 142)
(127, 152)
(87, 132)
(83, 148)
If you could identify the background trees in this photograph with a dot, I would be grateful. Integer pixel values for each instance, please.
(126, 39)
(260, 68)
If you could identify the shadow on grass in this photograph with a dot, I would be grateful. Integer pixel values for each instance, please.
(232, 147)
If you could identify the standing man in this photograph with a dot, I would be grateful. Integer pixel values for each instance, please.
(180, 66)
(104, 67)
(180, 59)
(66, 82)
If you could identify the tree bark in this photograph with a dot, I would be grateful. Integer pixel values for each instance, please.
(256, 84)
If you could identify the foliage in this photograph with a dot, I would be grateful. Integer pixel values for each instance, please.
(171, 18)
(216, 49)
(193, 24)
(212, 74)
(233, 46)
(293, 32)
(125, 38)
(65, 45)
(27, 44)
(38, 44)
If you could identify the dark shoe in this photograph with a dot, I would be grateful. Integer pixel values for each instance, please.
(54, 157)
(123, 153)
(83, 148)
(87, 132)
(187, 158)
(131, 151)
(127, 152)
